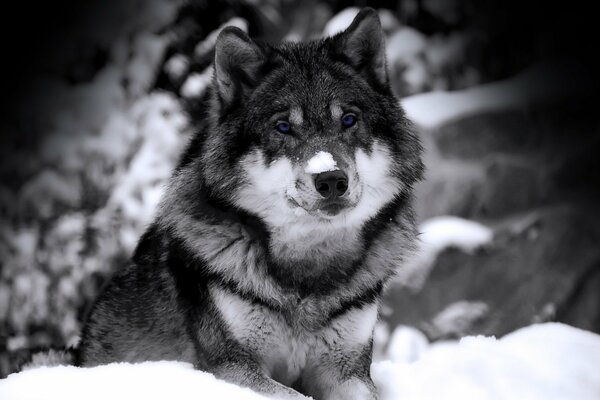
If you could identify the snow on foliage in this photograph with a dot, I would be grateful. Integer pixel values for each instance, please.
(150, 380)
(540, 362)
(340, 21)
(196, 84)
(107, 147)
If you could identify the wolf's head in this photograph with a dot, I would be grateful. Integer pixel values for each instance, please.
(308, 133)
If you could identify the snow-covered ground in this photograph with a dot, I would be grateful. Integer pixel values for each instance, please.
(546, 361)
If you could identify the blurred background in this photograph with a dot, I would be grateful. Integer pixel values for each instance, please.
(502, 93)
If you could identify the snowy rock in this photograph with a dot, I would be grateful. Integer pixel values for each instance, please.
(438, 234)
(556, 246)
(539, 83)
(442, 232)
(457, 319)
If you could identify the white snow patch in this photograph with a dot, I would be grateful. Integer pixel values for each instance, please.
(406, 344)
(150, 380)
(540, 83)
(320, 162)
(405, 44)
(340, 21)
(541, 362)
(196, 84)
(177, 66)
(437, 234)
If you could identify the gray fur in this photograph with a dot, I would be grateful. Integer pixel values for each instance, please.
(247, 272)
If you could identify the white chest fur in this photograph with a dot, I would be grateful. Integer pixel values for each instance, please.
(284, 352)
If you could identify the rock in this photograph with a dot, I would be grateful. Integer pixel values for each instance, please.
(512, 184)
(478, 136)
(548, 261)
(497, 164)
(450, 187)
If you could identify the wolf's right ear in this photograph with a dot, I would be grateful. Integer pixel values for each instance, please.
(237, 63)
(363, 44)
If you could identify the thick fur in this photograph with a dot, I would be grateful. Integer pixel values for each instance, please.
(247, 271)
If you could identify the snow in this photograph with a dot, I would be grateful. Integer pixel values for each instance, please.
(546, 361)
(177, 66)
(320, 162)
(543, 82)
(340, 21)
(436, 235)
(405, 44)
(195, 84)
(406, 345)
(151, 380)
(439, 233)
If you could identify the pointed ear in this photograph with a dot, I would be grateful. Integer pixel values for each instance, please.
(363, 44)
(237, 63)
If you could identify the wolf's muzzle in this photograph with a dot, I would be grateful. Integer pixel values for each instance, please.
(331, 184)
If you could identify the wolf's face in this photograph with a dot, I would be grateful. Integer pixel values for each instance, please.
(309, 133)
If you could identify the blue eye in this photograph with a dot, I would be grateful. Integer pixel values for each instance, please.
(348, 120)
(282, 127)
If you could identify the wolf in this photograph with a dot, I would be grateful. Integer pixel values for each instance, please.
(285, 218)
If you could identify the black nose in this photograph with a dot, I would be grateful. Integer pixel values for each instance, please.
(331, 184)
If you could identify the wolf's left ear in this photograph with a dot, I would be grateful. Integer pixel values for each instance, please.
(363, 44)
(237, 63)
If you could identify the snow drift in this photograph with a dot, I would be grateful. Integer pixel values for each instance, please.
(546, 361)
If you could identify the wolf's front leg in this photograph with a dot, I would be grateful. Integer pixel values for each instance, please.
(342, 378)
(251, 376)
(340, 367)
